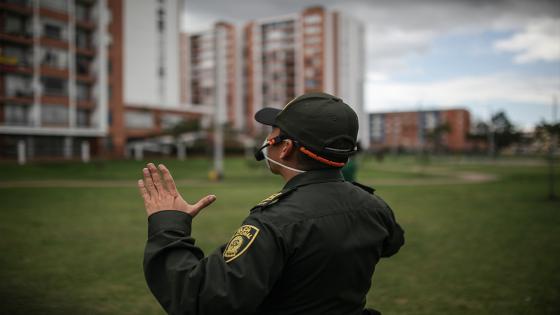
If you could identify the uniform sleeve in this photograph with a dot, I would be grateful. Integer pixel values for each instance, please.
(395, 239)
(232, 282)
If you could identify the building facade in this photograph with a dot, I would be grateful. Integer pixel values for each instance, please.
(105, 74)
(313, 50)
(53, 81)
(95, 72)
(210, 63)
(420, 130)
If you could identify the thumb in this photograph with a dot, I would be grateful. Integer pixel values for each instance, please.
(201, 204)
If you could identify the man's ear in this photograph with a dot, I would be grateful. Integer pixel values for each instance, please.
(288, 149)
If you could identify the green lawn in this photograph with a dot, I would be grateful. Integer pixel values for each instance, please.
(471, 248)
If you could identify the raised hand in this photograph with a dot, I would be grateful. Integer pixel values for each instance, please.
(158, 198)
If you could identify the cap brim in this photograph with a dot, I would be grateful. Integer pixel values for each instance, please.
(267, 115)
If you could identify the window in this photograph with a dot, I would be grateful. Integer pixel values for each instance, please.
(311, 30)
(376, 127)
(16, 115)
(313, 40)
(312, 19)
(57, 5)
(55, 58)
(54, 114)
(170, 120)
(14, 24)
(82, 12)
(82, 117)
(82, 65)
(18, 86)
(52, 31)
(21, 55)
(83, 39)
(138, 120)
(430, 120)
(82, 91)
(161, 20)
(54, 86)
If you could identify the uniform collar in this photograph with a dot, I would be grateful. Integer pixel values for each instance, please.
(313, 177)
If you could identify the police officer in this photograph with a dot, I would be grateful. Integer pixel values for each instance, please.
(309, 249)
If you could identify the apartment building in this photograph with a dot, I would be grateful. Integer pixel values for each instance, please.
(53, 77)
(416, 130)
(312, 50)
(211, 72)
(95, 72)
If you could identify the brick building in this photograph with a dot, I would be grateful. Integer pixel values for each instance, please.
(414, 130)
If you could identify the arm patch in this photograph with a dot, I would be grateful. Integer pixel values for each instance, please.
(240, 242)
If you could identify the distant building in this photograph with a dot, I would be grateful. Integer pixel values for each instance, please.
(97, 72)
(104, 74)
(417, 130)
(313, 50)
(211, 70)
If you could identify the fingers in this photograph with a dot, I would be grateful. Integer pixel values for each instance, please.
(202, 203)
(168, 179)
(143, 191)
(149, 183)
(155, 177)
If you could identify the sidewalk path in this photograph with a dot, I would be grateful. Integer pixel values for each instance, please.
(449, 179)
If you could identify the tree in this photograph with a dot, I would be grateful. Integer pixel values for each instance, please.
(435, 135)
(503, 131)
(545, 132)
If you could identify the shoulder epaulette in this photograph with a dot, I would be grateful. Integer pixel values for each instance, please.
(370, 190)
(272, 199)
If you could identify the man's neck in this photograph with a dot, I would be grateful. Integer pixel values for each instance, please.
(288, 174)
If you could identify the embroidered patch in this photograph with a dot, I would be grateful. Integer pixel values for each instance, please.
(240, 242)
(270, 199)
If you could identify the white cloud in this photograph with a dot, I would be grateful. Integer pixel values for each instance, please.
(538, 41)
(396, 29)
(486, 90)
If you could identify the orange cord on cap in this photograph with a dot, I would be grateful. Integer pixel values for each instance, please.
(312, 155)
(320, 159)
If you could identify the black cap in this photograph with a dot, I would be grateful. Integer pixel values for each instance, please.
(321, 122)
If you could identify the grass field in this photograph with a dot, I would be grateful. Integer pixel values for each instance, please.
(481, 238)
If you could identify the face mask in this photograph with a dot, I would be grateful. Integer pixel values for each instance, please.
(263, 154)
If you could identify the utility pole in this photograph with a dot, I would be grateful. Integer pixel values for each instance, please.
(220, 40)
(491, 138)
(552, 153)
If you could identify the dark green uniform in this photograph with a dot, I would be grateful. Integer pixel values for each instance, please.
(311, 249)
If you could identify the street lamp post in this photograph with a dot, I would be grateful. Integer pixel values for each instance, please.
(552, 154)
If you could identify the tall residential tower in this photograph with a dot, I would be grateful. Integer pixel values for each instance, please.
(313, 50)
(98, 72)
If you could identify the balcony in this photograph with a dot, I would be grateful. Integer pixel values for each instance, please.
(16, 115)
(54, 9)
(50, 71)
(83, 70)
(17, 6)
(54, 63)
(15, 28)
(54, 42)
(19, 95)
(15, 64)
(22, 38)
(84, 38)
(55, 99)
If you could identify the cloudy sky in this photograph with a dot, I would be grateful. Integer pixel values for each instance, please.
(485, 56)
